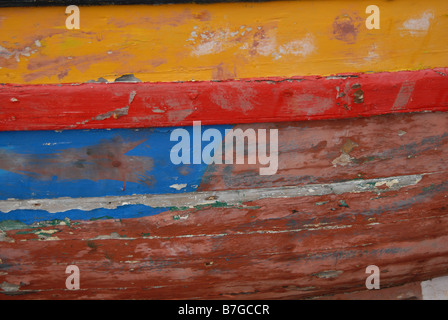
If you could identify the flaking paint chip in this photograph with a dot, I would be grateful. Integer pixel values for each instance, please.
(178, 186)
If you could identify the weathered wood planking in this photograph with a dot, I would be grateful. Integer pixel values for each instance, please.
(348, 193)
(220, 41)
(340, 150)
(300, 246)
(272, 248)
(120, 163)
(134, 105)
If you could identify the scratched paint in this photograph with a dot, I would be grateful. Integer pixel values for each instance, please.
(285, 246)
(135, 105)
(348, 193)
(76, 163)
(317, 167)
(106, 160)
(30, 211)
(311, 152)
(219, 41)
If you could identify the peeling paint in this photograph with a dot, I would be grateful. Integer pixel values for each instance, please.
(127, 78)
(9, 287)
(343, 160)
(179, 186)
(192, 199)
(418, 26)
(105, 160)
(117, 113)
(6, 225)
(112, 236)
(329, 274)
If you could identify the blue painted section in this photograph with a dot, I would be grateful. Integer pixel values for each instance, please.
(80, 163)
(123, 212)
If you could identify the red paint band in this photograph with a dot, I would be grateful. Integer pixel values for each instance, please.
(133, 105)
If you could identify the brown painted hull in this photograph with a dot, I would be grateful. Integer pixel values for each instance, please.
(270, 248)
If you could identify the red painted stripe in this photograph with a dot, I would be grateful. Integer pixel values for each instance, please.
(131, 105)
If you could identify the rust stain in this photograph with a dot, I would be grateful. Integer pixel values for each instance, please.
(223, 72)
(348, 146)
(203, 15)
(43, 66)
(346, 27)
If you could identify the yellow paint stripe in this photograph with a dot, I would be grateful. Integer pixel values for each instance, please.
(220, 41)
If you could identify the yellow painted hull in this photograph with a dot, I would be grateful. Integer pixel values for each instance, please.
(220, 41)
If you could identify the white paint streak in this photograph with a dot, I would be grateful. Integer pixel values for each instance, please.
(435, 289)
(54, 143)
(343, 160)
(215, 41)
(372, 55)
(26, 52)
(389, 184)
(418, 26)
(267, 45)
(213, 235)
(192, 199)
(9, 287)
(210, 42)
(112, 236)
(178, 186)
(303, 47)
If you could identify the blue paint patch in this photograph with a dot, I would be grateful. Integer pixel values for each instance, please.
(122, 212)
(93, 163)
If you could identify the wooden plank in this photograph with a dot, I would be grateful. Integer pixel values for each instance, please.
(124, 162)
(220, 41)
(330, 151)
(125, 105)
(301, 246)
(138, 205)
(283, 247)
(366, 189)
(288, 248)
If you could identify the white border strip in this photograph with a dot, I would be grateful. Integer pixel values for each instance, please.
(192, 199)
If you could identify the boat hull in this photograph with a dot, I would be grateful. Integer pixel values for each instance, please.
(118, 157)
